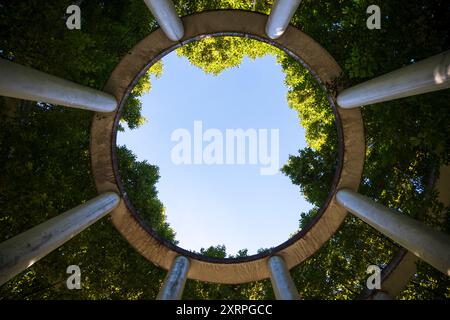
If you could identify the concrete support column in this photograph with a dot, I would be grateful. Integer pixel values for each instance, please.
(280, 15)
(167, 18)
(173, 286)
(428, 75)
(381, 295)
(282, 283)
(22, 82)
(428, 244)
(23, 250)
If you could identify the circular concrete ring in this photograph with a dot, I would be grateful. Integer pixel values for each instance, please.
(141, 236)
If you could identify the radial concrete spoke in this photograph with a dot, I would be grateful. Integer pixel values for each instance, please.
(167, 18)
(428, 75)
(23, 250)
(22, 82)
(428, 244)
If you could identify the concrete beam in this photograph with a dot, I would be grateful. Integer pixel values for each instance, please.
(23, 250)
(428, 244)
(22, 82)
(167, 18)
(280, 15)
(173, 285)
(381, 295)
(428, 75)
(282, 283)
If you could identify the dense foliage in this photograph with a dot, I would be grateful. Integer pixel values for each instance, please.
(44, 149)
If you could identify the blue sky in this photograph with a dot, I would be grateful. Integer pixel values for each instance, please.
(233, 205)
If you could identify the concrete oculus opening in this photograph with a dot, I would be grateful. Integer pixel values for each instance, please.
(220, 181)
(105, 167)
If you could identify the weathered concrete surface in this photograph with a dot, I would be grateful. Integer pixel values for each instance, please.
(173, 285)
(280, 15)
(167, 18)
(282, 283)
(23, 250)
(428, 244)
